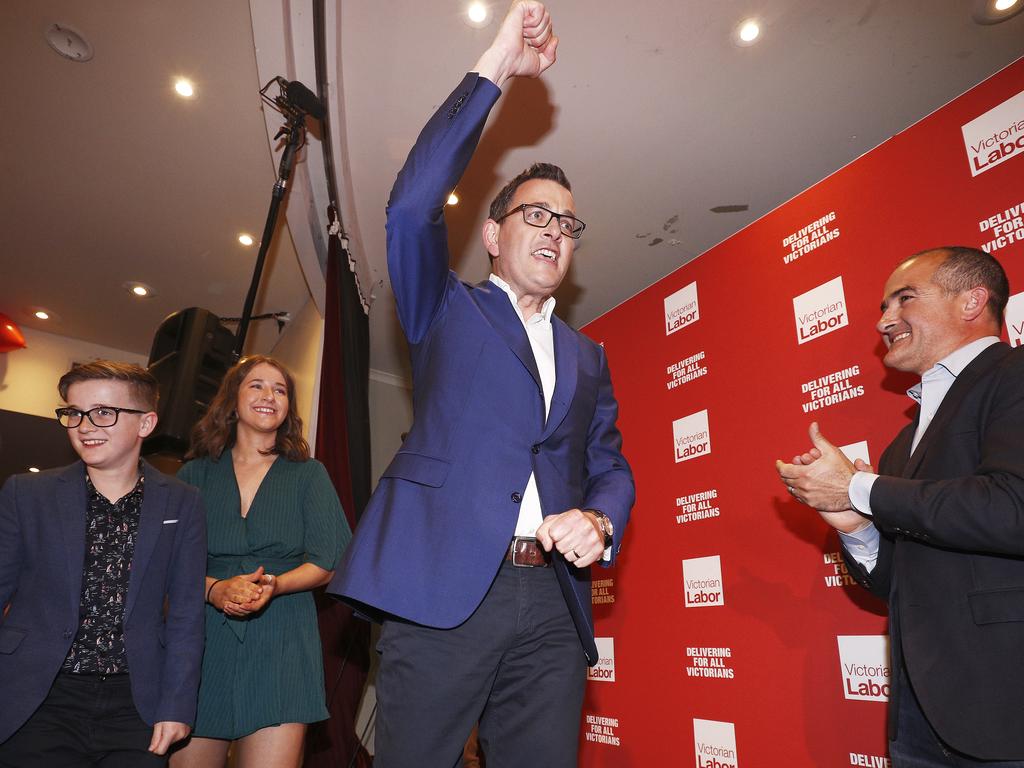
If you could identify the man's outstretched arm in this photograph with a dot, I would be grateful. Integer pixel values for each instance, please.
(417, 239)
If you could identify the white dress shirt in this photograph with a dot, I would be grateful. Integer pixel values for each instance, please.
(538, 331)
(930, 393)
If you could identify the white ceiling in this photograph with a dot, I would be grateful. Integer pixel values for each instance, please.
(654, 113)
(110, 177)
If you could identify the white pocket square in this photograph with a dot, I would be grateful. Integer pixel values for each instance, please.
(168, 522)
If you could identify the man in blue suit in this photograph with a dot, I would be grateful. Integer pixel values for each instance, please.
(476, 545)
(101, 571)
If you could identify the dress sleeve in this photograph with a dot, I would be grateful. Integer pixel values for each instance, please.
(326, 530)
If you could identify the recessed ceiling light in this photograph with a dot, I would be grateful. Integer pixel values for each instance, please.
(453, 199)
(245, 239)
(33, 469)
(747, 32)
(141, 290)
(184, 88)
(42, 314)
(478, 14)
(69, 43)
(995, 11)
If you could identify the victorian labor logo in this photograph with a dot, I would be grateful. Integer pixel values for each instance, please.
(715, 744)
(681, 309)
(996, 136)
(865, 666)
(690, 436)
(702, 582)
(855, 451)
(604, 670)
(819, 311)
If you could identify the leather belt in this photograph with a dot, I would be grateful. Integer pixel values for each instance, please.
(525, 552)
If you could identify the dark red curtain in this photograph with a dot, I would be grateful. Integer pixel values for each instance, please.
(343, 445)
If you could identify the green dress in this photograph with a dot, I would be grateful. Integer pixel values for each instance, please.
(267, 668)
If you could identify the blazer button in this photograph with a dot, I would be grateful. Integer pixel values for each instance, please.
(517, 497)
(535, 449)
(67, 634)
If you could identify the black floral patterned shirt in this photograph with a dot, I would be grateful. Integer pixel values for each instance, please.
(110, 531)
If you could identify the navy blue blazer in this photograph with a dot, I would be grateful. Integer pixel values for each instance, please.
(439, 523)
(42, 556)
(951, 559)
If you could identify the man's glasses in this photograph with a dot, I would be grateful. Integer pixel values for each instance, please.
(100, 416)
(539, 216)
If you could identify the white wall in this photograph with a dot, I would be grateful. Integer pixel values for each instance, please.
(390, 416)
(28, 377)
(298, 348)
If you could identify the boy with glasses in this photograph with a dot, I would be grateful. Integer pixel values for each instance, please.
(101, 574)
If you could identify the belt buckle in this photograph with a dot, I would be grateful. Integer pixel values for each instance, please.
(522, 557)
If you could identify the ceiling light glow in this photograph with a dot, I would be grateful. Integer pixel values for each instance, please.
(245, 239)
(988, 12)
(139, 290)
(477, 12)
(33, 469)
(749, 31)
(184, 88)
(453, 199)
(42, 315)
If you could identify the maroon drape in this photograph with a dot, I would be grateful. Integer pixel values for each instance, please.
(345, 639)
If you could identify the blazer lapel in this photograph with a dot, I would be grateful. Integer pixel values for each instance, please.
(71, 510)
(151, 518)
(566, 369)
(504, 318)
(968, 377)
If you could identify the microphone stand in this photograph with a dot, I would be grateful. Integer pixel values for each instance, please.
(295, 130)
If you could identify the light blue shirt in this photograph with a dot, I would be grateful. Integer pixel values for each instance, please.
(929, 393)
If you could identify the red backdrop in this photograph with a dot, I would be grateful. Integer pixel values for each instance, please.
(719, 368)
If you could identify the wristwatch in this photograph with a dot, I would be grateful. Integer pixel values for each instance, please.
(605, 525)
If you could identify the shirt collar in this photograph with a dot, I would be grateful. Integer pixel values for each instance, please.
(953, 364)
(546, 310)
(139, 485)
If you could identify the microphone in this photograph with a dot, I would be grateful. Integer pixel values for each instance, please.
(300, 98)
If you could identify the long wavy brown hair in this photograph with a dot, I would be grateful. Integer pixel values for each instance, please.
(215, 432)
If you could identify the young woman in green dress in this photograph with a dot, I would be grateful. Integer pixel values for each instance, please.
(275, 531)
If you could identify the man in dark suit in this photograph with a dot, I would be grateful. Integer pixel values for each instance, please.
(101, 571)
(476, 545)
(939, 532)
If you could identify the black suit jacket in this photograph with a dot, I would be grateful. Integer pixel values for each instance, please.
(951, 558)
(42, 555)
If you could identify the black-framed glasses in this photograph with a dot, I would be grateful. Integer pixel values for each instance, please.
(539, 216)
(100, 416)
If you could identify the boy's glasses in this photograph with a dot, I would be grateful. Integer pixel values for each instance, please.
(100, 416)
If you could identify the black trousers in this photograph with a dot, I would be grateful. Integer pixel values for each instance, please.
(84, 721)
(516, 666)
(918, 746)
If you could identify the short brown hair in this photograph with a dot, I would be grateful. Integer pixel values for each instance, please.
(143, 385)
(546, 171)
(216, 431)
(965, 268)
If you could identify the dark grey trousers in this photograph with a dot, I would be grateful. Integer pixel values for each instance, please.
(516, 666)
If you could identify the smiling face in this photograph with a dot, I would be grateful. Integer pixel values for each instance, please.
(921, 323)
(532, 260)
(262, 399)
(113, 448)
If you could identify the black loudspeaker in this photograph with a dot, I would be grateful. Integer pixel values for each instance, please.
(191, 353)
